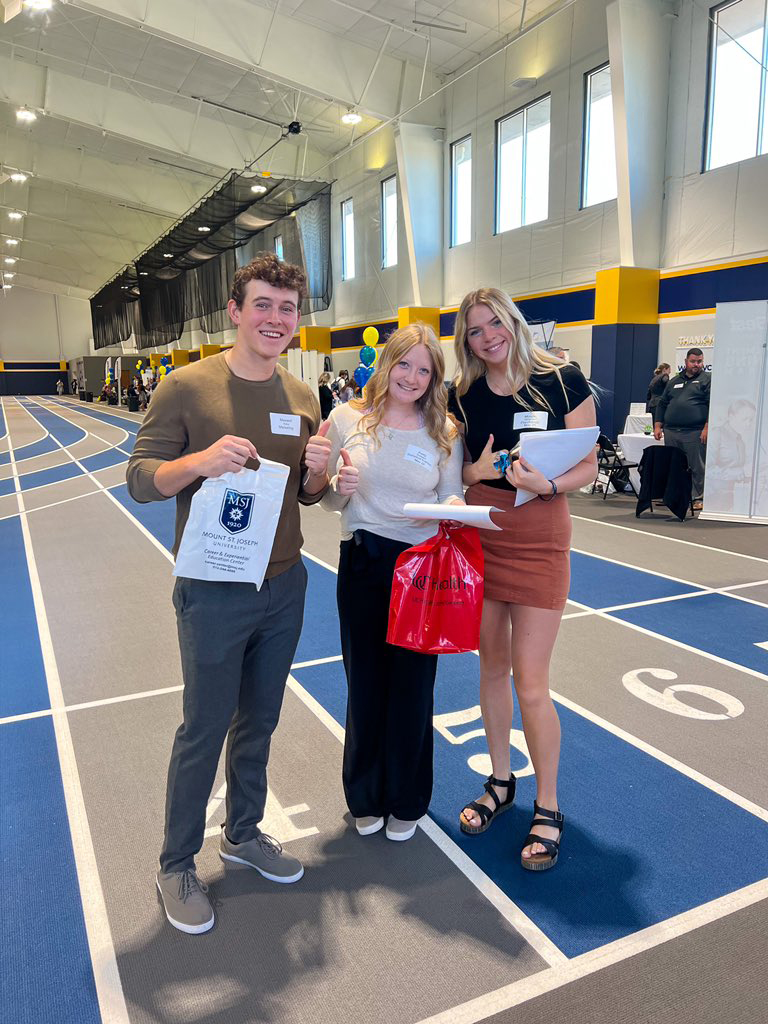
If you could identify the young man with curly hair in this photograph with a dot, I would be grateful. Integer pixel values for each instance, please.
(237, 643)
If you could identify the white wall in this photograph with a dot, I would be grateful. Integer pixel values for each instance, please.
(29, 327)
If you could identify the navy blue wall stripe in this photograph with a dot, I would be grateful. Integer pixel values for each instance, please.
(565, 307)
(347, 337)
(705, 289)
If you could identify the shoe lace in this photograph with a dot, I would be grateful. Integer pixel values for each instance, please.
(270, 847)
(190, 883)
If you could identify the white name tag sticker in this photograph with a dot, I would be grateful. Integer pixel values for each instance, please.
(285, 423)
(530, 421)
(678, 385)
(422, 458)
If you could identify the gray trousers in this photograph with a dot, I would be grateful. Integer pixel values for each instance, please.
(237, 644)
(696, 452)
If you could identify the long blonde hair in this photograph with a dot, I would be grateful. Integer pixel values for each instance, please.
(433, 404)
(524, 358)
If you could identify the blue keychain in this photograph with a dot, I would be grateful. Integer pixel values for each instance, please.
(503, 463)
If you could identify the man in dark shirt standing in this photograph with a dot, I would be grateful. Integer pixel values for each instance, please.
(682, 415)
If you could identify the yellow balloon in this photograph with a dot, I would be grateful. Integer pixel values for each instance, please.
(370, 335)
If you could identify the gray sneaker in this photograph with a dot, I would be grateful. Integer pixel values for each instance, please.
(265, 854)
(186, 905)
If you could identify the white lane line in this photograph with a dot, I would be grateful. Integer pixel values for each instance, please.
(532, 934)
(703, 592)
(106, 976)
(671, 540)
(123, 698)
(97, 414)
(509, 996)
(70, 422)
(676, 643)
(140, 526)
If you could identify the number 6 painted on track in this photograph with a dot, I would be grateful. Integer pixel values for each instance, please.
(667, 699)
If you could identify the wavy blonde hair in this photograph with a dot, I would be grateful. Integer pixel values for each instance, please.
(524, 359)
(433, 404)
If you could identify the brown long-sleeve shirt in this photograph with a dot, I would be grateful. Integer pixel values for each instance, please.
(196, 405)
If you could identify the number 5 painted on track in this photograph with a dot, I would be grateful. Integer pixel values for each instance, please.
(668, 700)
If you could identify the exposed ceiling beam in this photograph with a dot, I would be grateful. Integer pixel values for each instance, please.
(41, 222)
(300, 55)
(51, 284)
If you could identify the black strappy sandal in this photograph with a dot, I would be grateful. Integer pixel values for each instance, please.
(543, 861)
(486, 814)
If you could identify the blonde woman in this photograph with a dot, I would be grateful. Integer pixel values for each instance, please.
(396, 445)
(505, 385)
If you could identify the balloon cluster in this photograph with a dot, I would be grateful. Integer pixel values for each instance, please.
(365, 370)
(165, 367)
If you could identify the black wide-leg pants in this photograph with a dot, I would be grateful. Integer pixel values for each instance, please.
(388, 746)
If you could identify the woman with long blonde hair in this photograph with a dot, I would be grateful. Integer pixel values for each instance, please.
(396, 445)
(505, 385)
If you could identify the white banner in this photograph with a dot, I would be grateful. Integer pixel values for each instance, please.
(736, 482)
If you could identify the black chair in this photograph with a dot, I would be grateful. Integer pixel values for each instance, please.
(665, 475)
(612, 462)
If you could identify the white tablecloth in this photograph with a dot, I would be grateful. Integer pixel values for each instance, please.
(635, 424)
(632, 448)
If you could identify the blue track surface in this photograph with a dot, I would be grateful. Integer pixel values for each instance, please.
(105, 417)
(22, 676)
(45, 963)
(66, 433)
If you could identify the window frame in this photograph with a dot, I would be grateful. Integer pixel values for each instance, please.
(382, 206)
(344, 268)
(497, 124)
(278, 238)
(452, 209)
(706, 149)
(584, 142)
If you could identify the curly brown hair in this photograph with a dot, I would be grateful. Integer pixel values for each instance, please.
(267, 267)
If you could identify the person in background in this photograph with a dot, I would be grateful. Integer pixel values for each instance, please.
(59, 387)
(325, 394)
(656, 387)
(682, 415)
(505, 384)
(396, 445)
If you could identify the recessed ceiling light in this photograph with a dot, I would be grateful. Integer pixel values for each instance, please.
(351, 117)
(18, 177)
(25, 114)
(8, 275)
(168, 255)
(10, 260)
(143, 273)
(258, 189)
(38, 5)
(15, 215)
(203, 228)
(11, 241)
(7, 287)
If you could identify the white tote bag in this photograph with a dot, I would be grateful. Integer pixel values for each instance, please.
(231, 526)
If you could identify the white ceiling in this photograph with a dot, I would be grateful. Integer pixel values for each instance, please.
(133, 128)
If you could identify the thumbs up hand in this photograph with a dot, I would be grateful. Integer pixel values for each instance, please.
(484, 468)
(317, 451)
(349, 475)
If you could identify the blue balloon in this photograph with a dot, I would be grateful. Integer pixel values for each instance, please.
(362, 375)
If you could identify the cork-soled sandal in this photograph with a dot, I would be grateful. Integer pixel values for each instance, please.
(543, 861)
(487, 814)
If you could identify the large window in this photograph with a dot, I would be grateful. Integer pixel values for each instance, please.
(461, 191)
(389, 222)
(738, 122)
(279, 246)
(522, 166)
(347, 241)
(599, 164)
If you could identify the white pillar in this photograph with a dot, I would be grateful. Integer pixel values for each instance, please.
(420, 156)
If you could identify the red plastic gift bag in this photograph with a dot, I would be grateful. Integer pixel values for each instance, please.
(437, 593)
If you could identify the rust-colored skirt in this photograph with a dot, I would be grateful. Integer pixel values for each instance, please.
(528, 561)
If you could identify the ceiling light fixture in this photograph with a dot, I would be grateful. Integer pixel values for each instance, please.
(168, 255)
(258, 189)
(8, 275)
(38, 5)
(11, 241)
(9, 260)
(25, 114)
(18, 177)
(15, 215)
(143, 273)
(351, 117)
(204, 229)
(7, 287)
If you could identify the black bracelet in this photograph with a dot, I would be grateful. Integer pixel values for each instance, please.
(549, 497)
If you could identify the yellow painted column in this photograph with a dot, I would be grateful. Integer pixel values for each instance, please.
(180, 357)
(627, 295)
(155, 360)
(429, 315)
(317, 338)
(209, 350)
